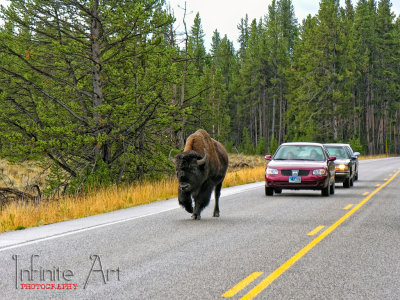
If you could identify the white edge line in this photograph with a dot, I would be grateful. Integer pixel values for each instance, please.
(79, 230)
(55, 236)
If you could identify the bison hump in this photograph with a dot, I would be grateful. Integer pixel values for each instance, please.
(200, 141)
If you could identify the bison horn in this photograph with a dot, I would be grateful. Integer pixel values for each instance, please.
(170, 157)
(203, 160)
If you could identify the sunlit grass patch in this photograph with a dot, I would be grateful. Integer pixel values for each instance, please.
(362, 157)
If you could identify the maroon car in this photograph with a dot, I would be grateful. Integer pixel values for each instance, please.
(299, 166)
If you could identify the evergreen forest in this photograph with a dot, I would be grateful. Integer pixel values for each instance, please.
(104, 89)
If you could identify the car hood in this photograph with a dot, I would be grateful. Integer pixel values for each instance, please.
(296, 164)
(342, 161)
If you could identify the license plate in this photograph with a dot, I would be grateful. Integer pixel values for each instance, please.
(295, 179)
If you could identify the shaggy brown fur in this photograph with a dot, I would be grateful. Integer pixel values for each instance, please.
(198, 178)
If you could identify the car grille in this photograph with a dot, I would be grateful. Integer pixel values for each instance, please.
(301, 172)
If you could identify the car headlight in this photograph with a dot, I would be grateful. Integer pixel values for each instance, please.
(342, 167)
(271, 171)
(320, 172)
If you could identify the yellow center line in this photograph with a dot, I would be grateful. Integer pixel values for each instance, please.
(241, 285)
(348, 206)
(316, 230)
(366, 193)
(291, 261)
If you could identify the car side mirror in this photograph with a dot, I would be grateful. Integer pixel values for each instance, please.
(332, 158)
(356, 154)
(268, 157)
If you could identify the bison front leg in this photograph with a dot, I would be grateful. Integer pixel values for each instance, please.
(185, 200)
(200, 202)
(217, 193)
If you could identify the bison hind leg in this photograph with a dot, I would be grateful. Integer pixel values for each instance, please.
(217, 193)
(185, 200)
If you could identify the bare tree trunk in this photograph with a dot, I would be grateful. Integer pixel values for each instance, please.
(280, 111)
(174, 96)
(95, 34)
(255, 125)
(396, 133)
(95, 55)
(335, 127)
(181, 132)
(373, 141)
(260, 119)
(264, 118)
(368, 118)
(273, 116)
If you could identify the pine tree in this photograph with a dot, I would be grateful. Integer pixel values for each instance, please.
(387, 79)
(366, 49)
(244, 29)
(85, 85)
(216, 41)
(281, 32)
(196, 44)
(322, 94)
(303, 91)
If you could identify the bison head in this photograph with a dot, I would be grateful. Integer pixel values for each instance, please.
(190, 170)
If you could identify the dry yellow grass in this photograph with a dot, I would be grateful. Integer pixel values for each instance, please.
(22, 215)
(375, 156)
(243, 176)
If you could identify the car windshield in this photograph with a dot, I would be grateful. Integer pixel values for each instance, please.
(299, 152)
(339, 152)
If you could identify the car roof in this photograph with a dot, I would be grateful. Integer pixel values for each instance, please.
(301, 144)
(336, 145)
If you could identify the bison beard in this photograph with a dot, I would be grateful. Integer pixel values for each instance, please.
(200, 169)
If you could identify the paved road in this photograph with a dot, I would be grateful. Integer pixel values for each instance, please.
(259, 247)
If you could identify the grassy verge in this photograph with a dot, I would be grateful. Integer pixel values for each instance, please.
(22, 215)
(375, 156)
(242, 170)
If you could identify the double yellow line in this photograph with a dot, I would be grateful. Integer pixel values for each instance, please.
(291, 261)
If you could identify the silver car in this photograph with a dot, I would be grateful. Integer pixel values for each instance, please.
(346, 163)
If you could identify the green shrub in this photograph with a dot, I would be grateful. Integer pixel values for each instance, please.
(356, 145)
(261, 146)
(273, 145)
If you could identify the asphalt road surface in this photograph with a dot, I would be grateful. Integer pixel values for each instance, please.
(296, 245)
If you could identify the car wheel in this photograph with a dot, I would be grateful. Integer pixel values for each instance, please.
(351, 181)
(278, 191)
(332, 189)
(269, 191)
(356, 177)
(346, 183)
(325, 191)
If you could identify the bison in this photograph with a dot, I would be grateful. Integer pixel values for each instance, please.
(200, 169)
